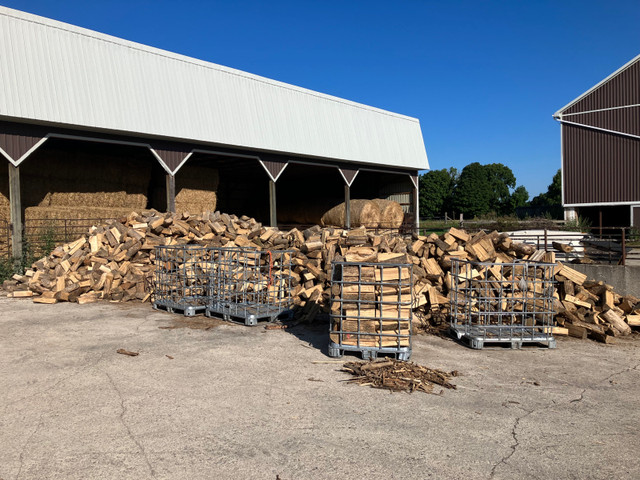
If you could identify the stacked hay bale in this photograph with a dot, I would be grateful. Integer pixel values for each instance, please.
(196, 189)
(4, 197)
(300, 213)
(74, 188)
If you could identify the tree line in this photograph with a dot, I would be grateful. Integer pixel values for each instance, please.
(479, 190)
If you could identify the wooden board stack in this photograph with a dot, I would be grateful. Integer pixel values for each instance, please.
(115, 261)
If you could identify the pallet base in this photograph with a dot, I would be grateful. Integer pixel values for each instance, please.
(187, 311)
(478, 343)
(369, 353)
(249, 316)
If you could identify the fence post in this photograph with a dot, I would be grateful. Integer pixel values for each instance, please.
(624, 248)
(546, 241)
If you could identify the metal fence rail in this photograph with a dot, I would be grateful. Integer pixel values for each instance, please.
(42, 234)
(502, 302)
(371, 309)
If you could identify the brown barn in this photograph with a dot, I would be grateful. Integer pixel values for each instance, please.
(601, 150)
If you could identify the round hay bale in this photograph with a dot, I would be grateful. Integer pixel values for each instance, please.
(391, 214)
(363, 213)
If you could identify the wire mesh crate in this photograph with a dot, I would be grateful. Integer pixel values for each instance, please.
(248, 285)
(502, 302)
(181, 280)
(371, 309)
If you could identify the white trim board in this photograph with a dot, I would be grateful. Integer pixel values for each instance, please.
(600, 204)
(591, 127)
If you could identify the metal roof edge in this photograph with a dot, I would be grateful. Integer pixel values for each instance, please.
(48, 22)
(596, 86)
(198, 144)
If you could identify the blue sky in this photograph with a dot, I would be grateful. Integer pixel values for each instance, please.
(483, 77)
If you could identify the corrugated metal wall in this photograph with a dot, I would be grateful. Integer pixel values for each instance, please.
(54, 72)
(622, 89)
(401, 192)
(600, 166)
(624, 120)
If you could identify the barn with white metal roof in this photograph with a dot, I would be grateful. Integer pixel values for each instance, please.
(83, 112)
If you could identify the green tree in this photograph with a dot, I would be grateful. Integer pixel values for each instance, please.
(482, 189)
(519, 198)
(501, 180)
(553, 195)
(436, 189)
(472, 194)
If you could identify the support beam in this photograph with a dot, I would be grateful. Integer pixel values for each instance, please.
(347, 206)
(16, 212)
(273, 213)
(416, 199)
(570, 214)
(171, 193)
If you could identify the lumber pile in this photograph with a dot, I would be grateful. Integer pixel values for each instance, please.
(115, 261)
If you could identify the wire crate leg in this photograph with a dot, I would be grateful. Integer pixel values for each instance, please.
(334, 351)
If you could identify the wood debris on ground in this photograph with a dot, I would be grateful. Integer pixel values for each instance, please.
(398, 376)
(129, 353)
(115, 262)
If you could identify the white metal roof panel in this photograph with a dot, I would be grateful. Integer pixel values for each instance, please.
(55, 72)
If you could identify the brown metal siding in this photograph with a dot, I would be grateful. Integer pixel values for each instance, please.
(623, 89)
(636, 216)
(274, 167)
(599, 166)
(18, 138)
(624, 120)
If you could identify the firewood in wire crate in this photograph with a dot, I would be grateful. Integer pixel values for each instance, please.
(398, 376)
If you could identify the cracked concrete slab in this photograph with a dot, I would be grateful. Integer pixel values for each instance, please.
(238, 402)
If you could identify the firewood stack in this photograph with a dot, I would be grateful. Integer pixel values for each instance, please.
(115, 262)
(371, 305)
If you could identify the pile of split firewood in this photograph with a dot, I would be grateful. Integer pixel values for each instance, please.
(115, 262)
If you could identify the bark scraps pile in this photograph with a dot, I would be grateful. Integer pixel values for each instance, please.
(115, 262)
(398, 376)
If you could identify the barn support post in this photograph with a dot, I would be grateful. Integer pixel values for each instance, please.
(416, 197)
(273, 212)
(16, 212)
(347, 206)
(415, 181)
(171, 193)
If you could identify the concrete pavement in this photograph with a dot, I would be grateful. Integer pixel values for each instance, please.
(239, 402)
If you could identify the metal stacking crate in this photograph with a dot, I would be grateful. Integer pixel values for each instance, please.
(502, 302)
(181, 280)
(371, 309)
(249, 286)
